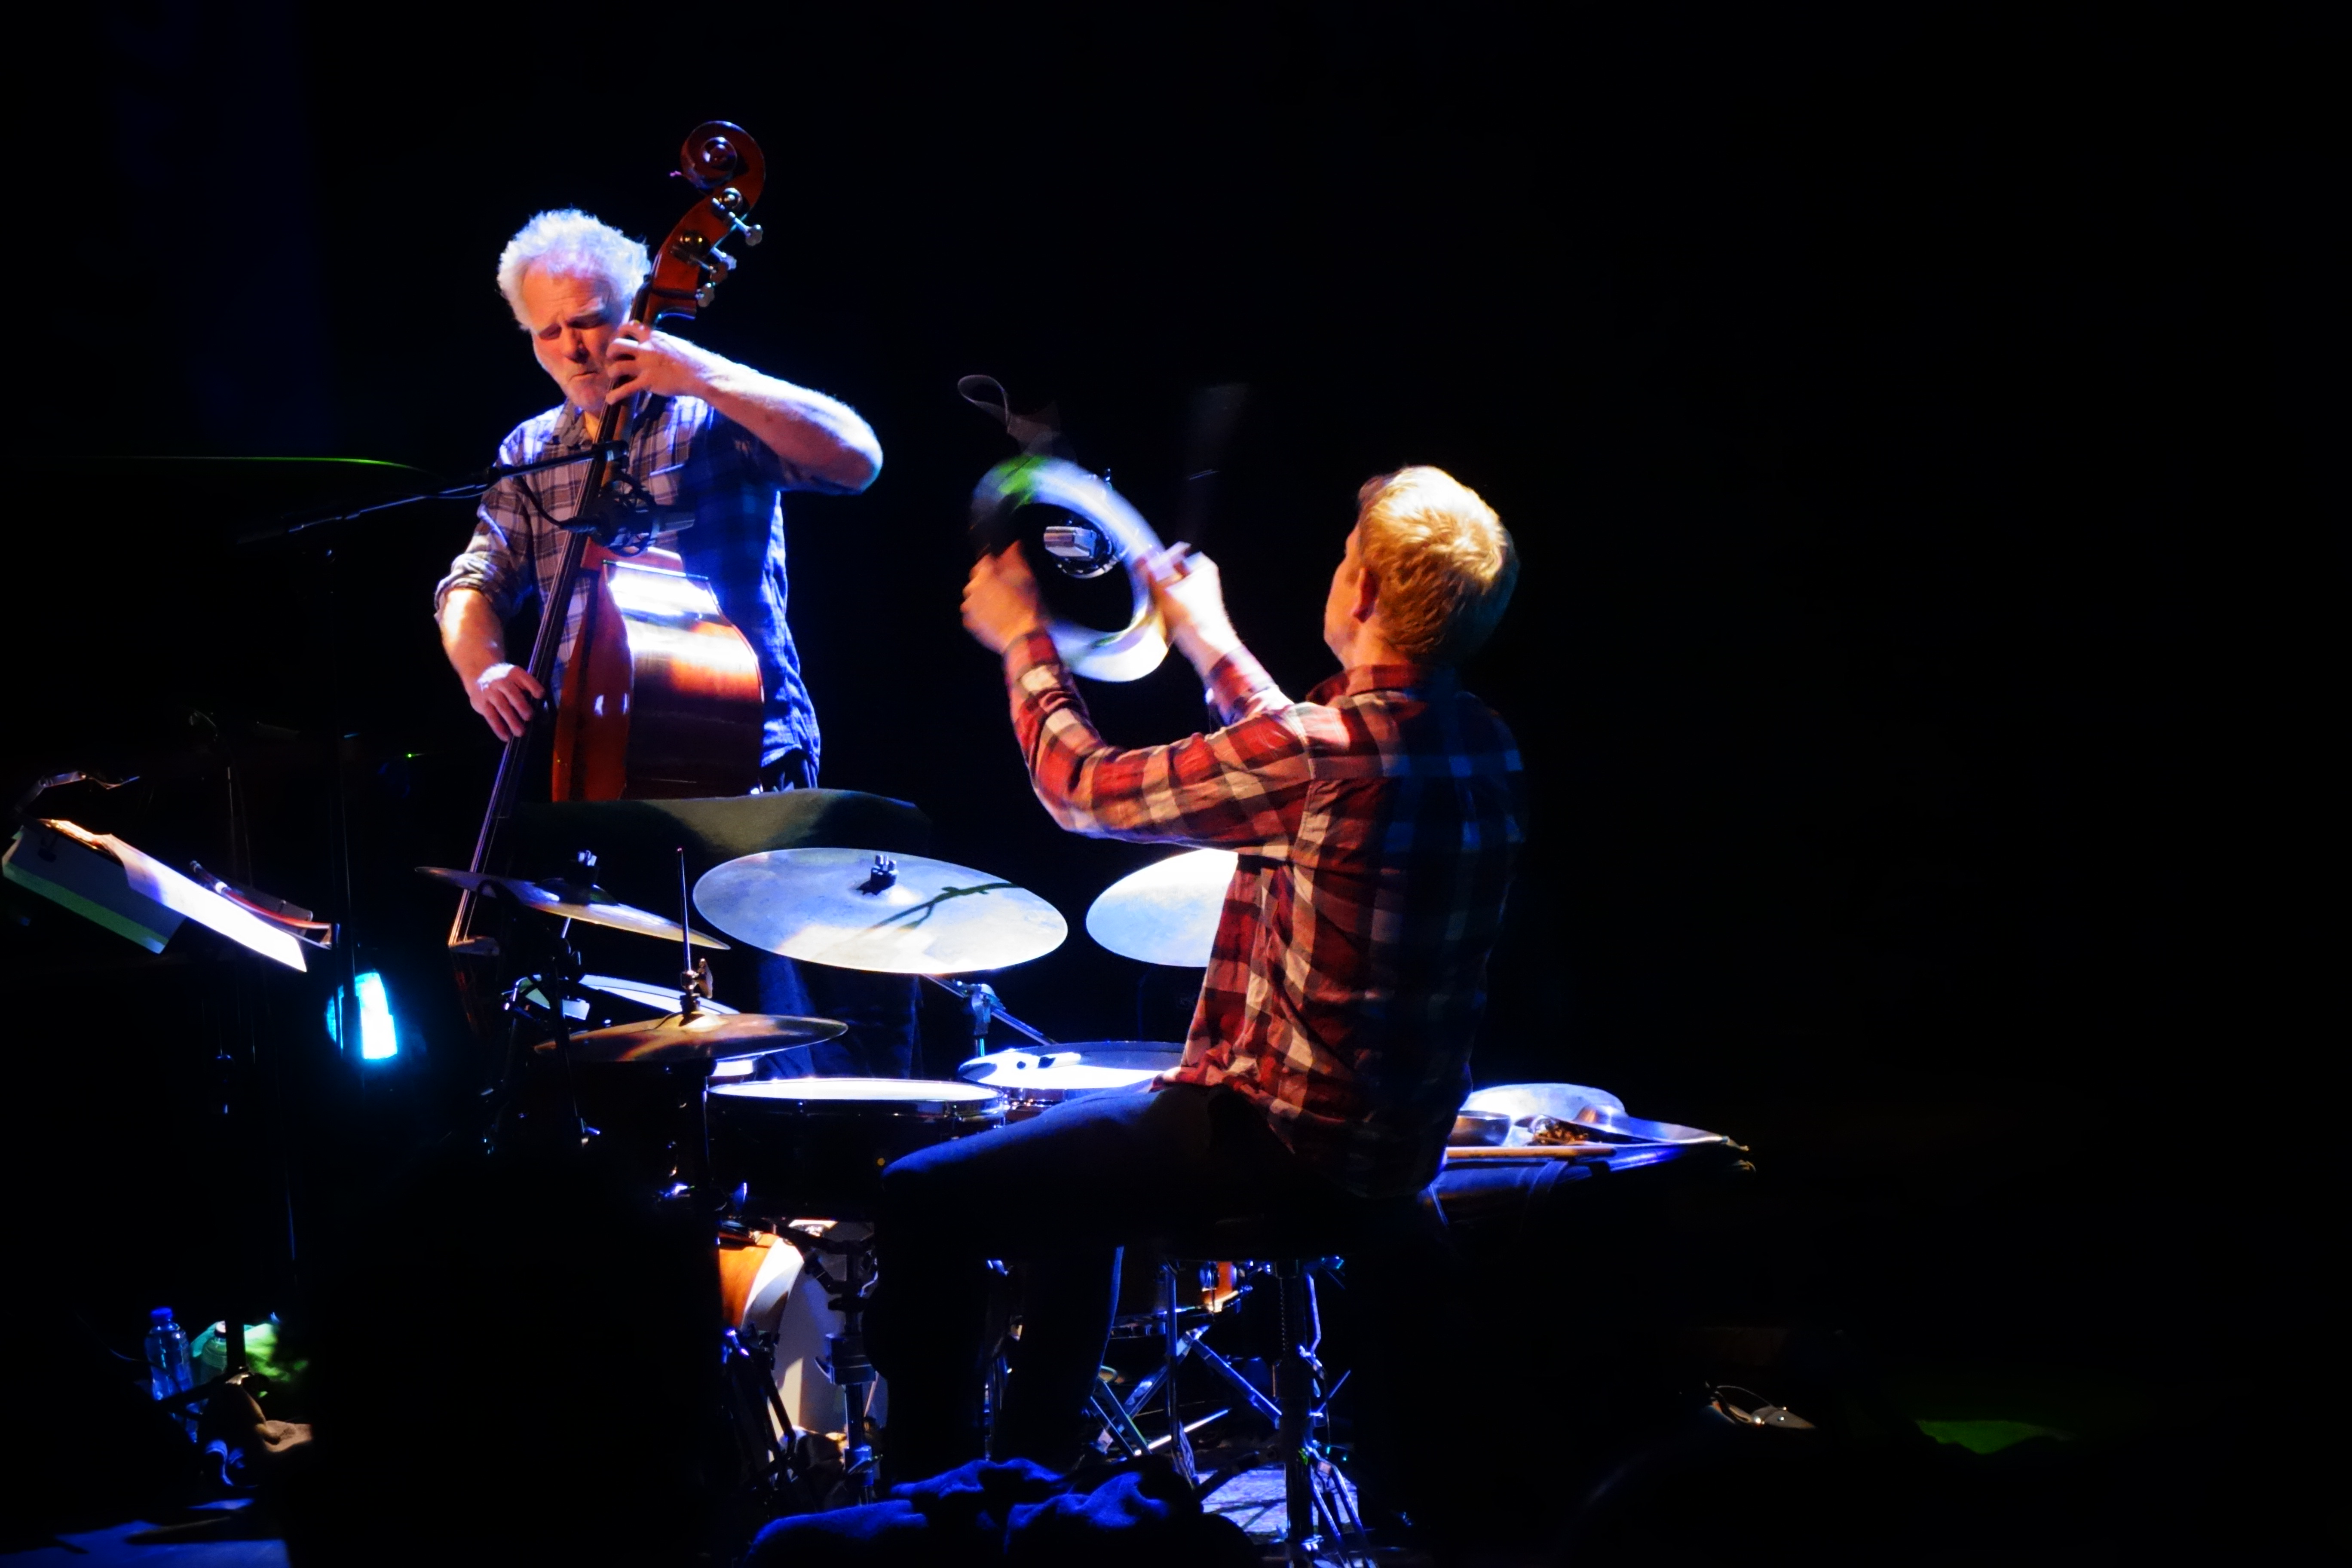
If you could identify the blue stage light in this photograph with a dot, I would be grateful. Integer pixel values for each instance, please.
(378, 1035)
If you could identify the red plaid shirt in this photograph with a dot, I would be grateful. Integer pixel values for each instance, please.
(1375, 823)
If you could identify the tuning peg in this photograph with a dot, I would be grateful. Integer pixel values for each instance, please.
(751, 232)
(704, 295)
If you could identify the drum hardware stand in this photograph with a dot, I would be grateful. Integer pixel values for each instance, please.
(693, 990)
(1319, 1515)
(980, 999)
(693, 980)
(555, 975)
(765, 1434)
(1178, 1342)
(1184, 1344)
(845, 1360)
(1119, 1422)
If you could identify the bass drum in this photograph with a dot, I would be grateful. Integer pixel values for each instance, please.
(762, 1289)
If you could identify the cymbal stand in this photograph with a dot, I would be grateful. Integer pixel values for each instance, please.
(556, 976)
(693, 990)
(846, 1359)
(693, 980)
(980, 998)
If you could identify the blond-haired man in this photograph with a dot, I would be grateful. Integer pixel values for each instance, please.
(1375, 823)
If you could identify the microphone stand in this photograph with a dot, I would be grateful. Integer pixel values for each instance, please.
(470, 490)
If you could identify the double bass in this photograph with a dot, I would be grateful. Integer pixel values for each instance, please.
(661, 697)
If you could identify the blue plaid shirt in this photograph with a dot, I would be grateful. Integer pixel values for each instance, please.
(688, 455)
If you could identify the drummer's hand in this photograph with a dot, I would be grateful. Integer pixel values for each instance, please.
(1190, 597)
(1000, 600)
(506, 696)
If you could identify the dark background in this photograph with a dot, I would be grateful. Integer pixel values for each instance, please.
(1917, 424)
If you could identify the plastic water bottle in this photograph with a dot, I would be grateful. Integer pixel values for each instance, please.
(167, 1362)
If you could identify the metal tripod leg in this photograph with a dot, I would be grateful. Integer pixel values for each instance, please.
(1294, 1393)
(1225, 1370)
(1114, 1416)
(1179, 1443)
(1312, 1495)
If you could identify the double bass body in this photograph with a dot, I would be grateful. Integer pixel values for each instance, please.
(661, 699)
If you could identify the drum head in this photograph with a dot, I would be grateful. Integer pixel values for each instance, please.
(1160, 1056)
(1026, 1074)
(907, 1096)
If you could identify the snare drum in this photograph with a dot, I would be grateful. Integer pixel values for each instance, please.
(1030, 1082)
(815, 1146)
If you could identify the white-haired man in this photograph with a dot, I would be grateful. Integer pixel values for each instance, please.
(715, 438)
(1375, 823)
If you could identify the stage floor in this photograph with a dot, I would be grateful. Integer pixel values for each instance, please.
(1253, 1500)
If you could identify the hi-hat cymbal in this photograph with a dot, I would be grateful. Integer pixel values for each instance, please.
(1167, 912)
(654, 998)
(700, 1036)
(571, 901)
(900, 914)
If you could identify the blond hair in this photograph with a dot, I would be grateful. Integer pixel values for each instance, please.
(568, 242)
(1444, 562)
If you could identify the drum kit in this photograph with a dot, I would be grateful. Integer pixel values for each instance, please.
(776, 1155)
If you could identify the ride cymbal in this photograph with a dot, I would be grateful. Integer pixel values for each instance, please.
(855, 909)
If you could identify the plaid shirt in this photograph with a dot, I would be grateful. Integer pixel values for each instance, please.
(685, 454)
(1375, 823)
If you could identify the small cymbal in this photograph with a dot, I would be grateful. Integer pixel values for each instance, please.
(571, 901)
(1167, 912)
(700, 1036)
(655, 998)
(900, 914)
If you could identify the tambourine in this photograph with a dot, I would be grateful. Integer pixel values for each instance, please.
(1104, 532)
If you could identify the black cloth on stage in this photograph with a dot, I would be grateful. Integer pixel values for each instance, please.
(1013, 1513)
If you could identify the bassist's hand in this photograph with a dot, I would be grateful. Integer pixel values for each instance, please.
(506, 696)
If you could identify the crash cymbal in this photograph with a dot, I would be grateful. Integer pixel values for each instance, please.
(569, 900)
(899, 915)
(1167, 912)
(655, 998)
(700, 1036)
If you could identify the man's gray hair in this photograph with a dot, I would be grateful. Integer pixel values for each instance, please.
(568, 241)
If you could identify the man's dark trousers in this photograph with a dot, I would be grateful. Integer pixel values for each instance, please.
(1061, 1192)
